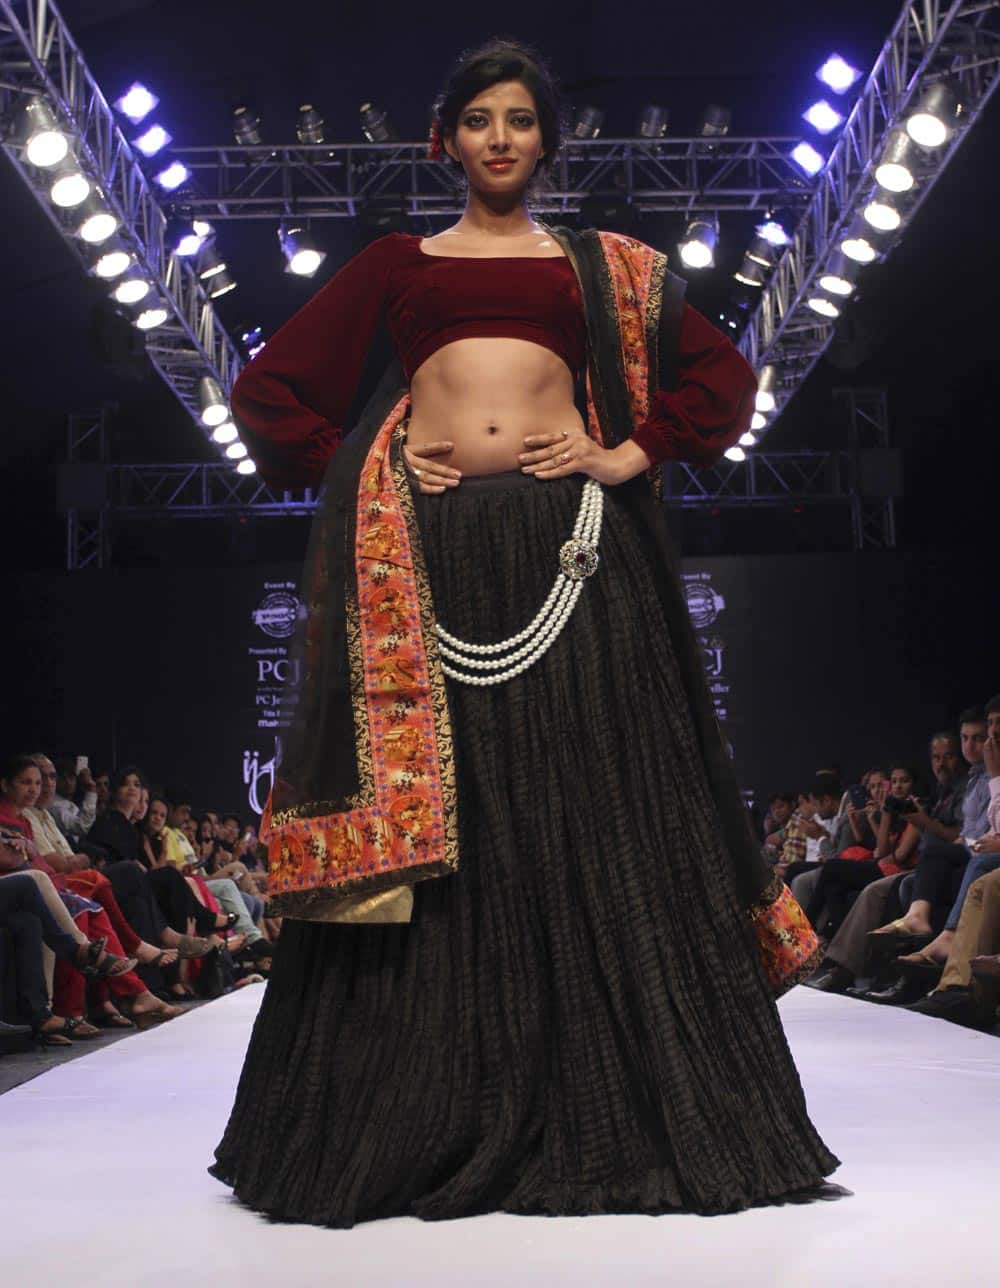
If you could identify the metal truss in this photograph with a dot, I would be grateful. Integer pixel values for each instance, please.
(763, 479)
(38, 56)
(338, 180)
(86, 524)
(929, 40)
(197, 492)
(873, 516)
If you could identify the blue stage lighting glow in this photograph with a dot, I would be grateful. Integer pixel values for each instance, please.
(806, 156)
(154, 140)
(838, 74)
(174, 175)
(773, 233)
(137, 103)
(822, 117)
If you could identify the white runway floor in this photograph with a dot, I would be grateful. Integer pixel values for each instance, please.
(103, 1179)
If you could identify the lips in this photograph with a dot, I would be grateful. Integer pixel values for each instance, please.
(499, 165)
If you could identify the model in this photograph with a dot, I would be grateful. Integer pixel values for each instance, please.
(530, 949)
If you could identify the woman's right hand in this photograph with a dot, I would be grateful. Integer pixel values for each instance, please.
(434, 476)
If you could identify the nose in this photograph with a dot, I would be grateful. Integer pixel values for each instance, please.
(498, 139)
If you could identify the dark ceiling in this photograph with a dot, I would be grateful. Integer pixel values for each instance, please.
(923, 326)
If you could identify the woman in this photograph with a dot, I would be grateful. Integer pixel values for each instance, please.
(895, 851)
(563, 1009)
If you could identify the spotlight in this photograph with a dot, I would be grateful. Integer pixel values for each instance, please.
(773, 233)
(715, 121)
(203, 228)
(131, 290)
(653, 122)
(152, 317)
(881, 215)
(181, 235)
(309, 126)
(824, 307)
(97, 223)
(934, 118)
(699, 243)
(748, 440)
(807, 158)
(246, 466)
(588, 123)
(736, 454)
(212, 401)
(300, 250)
(236, 450)
(838, 74)
(766, 381)
(220, 284)
(154, 140)
(45, 143)
(225, 433)
(751, 272)
(210, 264)
(136, 103)
(173, 176)
(70, 187)
(822, 117)
(246, 126)
(376, 126)
(758, 422)
(113, 264)
(252, 340)
(841, 274)
(893, 171)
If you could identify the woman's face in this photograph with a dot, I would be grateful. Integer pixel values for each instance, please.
(781, 812)
(129, 794)
(189, 827)
(24, 790)
(901, 783)
(206, 832)
(157, 816)
(142, 809)
(498, 124)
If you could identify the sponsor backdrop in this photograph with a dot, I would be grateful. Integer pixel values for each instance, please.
(812, 660)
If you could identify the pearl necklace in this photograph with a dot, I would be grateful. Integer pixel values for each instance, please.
(577, 560)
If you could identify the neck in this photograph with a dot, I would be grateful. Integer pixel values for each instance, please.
(496, 217)
(125, 811)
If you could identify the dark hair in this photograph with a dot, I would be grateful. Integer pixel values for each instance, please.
(120, 774)
(790, 798)
(502, 59)
(826, 785)
(66, 767)
(235, 817)
(972, 715)
(15, 765)
(907, 768)
(993, 706)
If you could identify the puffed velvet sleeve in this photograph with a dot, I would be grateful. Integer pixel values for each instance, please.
(291, 400)
(712, 405)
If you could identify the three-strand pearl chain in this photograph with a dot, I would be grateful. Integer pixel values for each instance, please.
(495, 663)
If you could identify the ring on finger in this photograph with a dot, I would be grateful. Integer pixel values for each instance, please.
(565, 457)
(417, 473)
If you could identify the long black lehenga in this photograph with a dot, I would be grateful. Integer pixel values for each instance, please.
(578, 1020)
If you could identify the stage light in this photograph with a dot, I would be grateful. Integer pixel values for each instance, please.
(131, 290)
(303, 257)
(246, 126)
(211, 264)
(824, 307)
(220, 284)
(113, 264)
(838, 74)
(376, 126)
(588, 123)
(699, 244)
(822, 117)
(173, 176)
(136, 103)
(252, 340)
(97, 223)
(748, 440)
(735, 454)
(309, 126)
(182, 236)
(807, 158)
(152, 317)
(45, 143)
(893, 171)
(246, 466)
(773, 233)
(933, 120)
(840, 276)
(653, 122)
(881, 215)
(758, 421)
(203, 228)
(154, 140)
(212, 401)
(714, 121)
(751, 272)
(858, 243)
(71, 187)
(766, 381)
(225, 433)
(236, 450)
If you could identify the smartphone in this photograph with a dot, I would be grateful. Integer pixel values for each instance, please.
(857, 794)
(82, 762)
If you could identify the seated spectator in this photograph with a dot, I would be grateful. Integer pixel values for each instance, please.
(846, 957)
(74, 821)
(780, 809)
(808, 833)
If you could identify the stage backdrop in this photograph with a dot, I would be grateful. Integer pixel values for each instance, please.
(813, 661)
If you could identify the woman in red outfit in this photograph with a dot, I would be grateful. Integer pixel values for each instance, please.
(518, 968)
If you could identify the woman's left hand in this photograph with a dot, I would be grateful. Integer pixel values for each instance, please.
(569, 451)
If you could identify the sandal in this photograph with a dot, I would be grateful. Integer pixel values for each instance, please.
(192, 946)
(147, 1019)
(895, 930)
(112, 1020)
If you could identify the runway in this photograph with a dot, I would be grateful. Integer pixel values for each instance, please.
(103, 1178)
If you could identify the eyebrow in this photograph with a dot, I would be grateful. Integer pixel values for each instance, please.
(488, 110)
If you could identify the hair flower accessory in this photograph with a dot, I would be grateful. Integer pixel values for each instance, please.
(435, 147)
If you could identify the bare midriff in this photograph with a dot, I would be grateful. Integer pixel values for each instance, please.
(486, 394)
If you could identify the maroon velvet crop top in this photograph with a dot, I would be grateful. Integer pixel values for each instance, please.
(432, 300)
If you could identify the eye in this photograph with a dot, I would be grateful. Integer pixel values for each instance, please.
(523, 121)
(474, 120)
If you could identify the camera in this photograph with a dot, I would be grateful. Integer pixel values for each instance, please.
(899, 805)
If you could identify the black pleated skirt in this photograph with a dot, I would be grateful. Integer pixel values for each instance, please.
(577, 1021)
